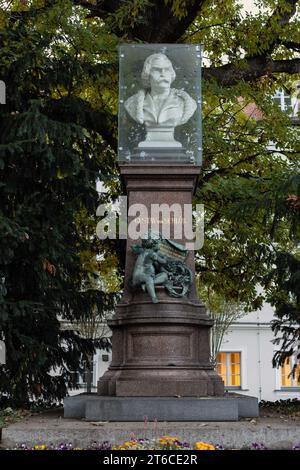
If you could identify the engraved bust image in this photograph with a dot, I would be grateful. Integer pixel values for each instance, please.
(158, 106)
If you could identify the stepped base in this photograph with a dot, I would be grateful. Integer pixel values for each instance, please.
(230, 407)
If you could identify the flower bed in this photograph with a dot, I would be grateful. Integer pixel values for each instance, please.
(162, 443)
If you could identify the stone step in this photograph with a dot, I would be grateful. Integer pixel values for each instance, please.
(104, 408)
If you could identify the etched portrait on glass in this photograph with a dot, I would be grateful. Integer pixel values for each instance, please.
(160, 103)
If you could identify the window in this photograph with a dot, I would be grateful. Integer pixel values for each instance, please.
(286, 103)
(229, 368)
(287, 380)
(80, 377)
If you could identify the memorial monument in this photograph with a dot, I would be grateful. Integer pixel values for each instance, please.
(160, 332)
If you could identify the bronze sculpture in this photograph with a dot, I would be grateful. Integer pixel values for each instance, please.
(152, 268)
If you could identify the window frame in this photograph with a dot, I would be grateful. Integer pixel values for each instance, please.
(80, 382)
(243, 377)
(281, 96)
(287, 388)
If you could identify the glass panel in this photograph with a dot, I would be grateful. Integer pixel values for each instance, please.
(221, 358)
(234, 358)
(160, 103)
(221, 366)
(235, 370)
(286, 380)
(235, 380)
(297, 375)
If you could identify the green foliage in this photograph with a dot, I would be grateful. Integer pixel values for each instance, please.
(280, 265)
(286, 407)
(9, 416)
(283, 282)
(51, 153)
(238, 184)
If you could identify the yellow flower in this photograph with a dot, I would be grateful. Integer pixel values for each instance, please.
(168, 439)
(130, 443)
(204, 446)
(40, 447)
(133, 445)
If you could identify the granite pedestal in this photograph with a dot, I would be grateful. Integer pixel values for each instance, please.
(160, 352)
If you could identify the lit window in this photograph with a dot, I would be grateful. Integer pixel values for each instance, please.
(287, 380)
(229, 368)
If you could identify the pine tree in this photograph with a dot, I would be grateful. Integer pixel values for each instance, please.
(50, 163)
(284, 281)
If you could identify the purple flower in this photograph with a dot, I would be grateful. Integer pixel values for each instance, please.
(258, 446)
(219, 447)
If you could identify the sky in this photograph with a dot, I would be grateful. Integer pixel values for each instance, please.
(249, 6)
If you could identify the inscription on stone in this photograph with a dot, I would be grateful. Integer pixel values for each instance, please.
(167, 250)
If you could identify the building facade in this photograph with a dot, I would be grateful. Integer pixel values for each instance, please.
(245, 359)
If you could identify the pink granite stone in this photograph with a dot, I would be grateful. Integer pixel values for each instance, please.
(162, 349)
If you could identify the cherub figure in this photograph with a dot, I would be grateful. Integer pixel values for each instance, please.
(146, 272)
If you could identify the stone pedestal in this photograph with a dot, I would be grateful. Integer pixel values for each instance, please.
(92, 407)
(159, 350)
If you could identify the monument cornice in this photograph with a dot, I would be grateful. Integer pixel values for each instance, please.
(162, 176)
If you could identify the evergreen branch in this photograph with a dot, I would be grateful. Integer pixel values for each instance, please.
(83, 114)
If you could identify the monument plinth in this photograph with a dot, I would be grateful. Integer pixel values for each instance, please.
(160, 349)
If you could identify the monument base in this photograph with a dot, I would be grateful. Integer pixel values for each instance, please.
(161, 154)
(160, 350)
(92, 407)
